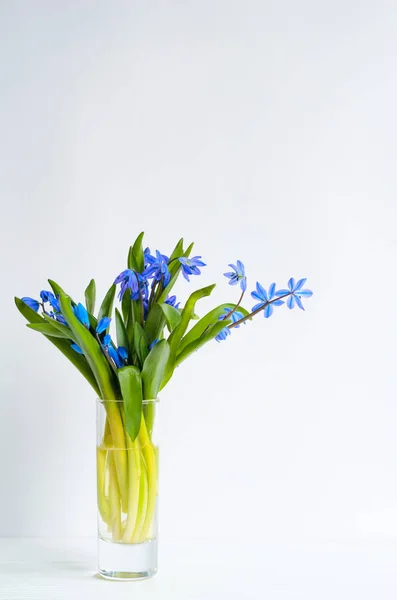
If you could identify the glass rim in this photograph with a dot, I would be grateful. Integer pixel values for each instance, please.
(121, 401)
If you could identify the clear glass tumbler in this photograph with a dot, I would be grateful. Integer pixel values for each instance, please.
(127, 486)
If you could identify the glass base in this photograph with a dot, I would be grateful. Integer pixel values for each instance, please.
(127, 562)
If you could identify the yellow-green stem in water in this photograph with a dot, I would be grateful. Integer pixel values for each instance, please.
(143, 498)
(103, 501)
(120, 457)
(114, 499)
(134, 482)
(150, 459)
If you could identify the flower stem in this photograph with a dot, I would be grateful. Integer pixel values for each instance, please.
(120, 458)
(150, 459)
(257, 311)
(134, 482)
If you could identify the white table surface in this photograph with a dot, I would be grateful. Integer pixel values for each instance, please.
(47, 569)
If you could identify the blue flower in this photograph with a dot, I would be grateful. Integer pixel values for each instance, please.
(237, 275)
(157, 267)
(222, 335)
(153, 344)
(295, 292)
(111, 351)
(171, 300)
(235, 316)
(77, 348)
(103, 324)
(33, 304)
(143, 288)
(47, 296)
(128, 280)
(61, 319)
(122, 352)
(81, 314)
(190, 266)
(265, 297)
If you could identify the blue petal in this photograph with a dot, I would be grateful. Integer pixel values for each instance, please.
(268, 311)
(291, 302)
(291, 284)
(299, 302)
(45, 295)
(257, 296)
(229, 274)
(82, 314)
(282, 292)
(241, 268)
(260, 305)
(262, 291)
(300, 284)
(153, 344)
(123, 352)
(103, 324)
(272, 289)
(77, 348)
(305, 293)
(278, 302)
(33, 304)
(107, 340)
(233, 267)
(244, 284)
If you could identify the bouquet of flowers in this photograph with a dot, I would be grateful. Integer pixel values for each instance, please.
(154, 334)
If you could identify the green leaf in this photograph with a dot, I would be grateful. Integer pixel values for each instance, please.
(106, 306)
(47, 329)
(121, 332)
(207, 321)
(176, 253)
(172, 315)
(141, 343)
(154, 323)
(135, 255)
(56, 288)
(61, 328)
(77, 360)
(90, 294)
(177, 334)
(92, 351)
(131, 390)
(174, 270)
(126, 306)
(154, 368)
(199, 342)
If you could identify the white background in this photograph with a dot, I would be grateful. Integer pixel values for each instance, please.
(261, 130)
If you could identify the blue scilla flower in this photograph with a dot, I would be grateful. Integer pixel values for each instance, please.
(31, 302)
(123, 353)
(81, 314)
(234, 316)
(190, 266)
(157, 267)
(171, 300)
(265, 297)
(103, 324)
(143, 288)
(295, 292)
(222, 335)
(237, 275)
(111, 351)
(77, 348)
(61, 319)
(128, 280)
(49, 297)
